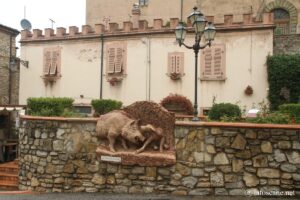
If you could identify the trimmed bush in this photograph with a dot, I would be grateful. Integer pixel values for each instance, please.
(293, 110)
(271, 118)
(284, 79)
(102, 106)
(178, 103)
(49, 106)
(227, 111)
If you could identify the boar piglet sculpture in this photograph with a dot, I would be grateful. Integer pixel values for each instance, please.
(117, 125)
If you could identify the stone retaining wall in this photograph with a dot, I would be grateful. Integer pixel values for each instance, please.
(287, 44)
(58, 155)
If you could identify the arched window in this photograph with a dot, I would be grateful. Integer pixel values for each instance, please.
(282, 21)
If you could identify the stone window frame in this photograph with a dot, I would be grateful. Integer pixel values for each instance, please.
(208, 61)
(51, 64)
(289, 7)
(175, 65)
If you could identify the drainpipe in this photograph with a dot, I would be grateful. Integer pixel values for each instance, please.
(181, 10)
(9, 72)
(149, 68)
(9, 86)
(101, 67)
(147, 42)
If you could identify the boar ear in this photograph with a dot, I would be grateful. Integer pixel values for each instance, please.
(132, 122)
(138, 122)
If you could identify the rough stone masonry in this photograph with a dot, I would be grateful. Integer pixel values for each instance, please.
(59, 156)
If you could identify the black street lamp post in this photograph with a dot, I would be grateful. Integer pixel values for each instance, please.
(201, 28)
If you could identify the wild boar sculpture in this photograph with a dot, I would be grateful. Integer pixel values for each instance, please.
(118, 125)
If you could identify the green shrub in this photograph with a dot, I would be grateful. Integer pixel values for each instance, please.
(178, 103)
(271, 118)
(71, 113)
(225, 112)
(102, 106)
(48, 106)
(293, 110)
(284, 79)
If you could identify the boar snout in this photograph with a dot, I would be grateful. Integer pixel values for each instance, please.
(139, 140)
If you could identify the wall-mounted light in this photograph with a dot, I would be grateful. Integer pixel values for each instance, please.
(14, 63)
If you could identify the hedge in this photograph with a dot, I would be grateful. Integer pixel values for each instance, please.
(227, 111)
(102, 106)
(49, 106)
(284, 79)
(293, 110)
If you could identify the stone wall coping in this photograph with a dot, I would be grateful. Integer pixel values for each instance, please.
(239, 125)
(61, 119)
(178, 123)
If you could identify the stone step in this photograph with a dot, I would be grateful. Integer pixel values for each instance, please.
(16, 192)
(4, 176)
(10, 167)
(9, 173)
(9, 185)
(9, 170)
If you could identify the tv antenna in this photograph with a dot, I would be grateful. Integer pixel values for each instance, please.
(52, 22)
(25, 24)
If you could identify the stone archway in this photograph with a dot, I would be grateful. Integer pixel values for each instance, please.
(286, 5)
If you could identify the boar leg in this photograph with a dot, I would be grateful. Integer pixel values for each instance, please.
(148, 141)
(161, 145)
(112, 139)
(124, 143)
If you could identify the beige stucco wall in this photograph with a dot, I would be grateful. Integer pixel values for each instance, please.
(80, 71)
(246, 54)
(119, 11)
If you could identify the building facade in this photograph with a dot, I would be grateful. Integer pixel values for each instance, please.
(9, 83)
(286, 12)
(146, 63)
(9, 78)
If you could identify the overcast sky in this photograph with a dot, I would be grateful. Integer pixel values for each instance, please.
(64, 12)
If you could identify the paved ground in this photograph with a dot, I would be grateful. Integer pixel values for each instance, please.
(97, 196)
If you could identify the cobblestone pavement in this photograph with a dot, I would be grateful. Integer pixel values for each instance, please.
(98, 196)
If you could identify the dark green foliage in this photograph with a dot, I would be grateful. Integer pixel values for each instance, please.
(48, 106)
(293, 110)
(226, 111)
(284, 79)
(272, 118)
(102, 106)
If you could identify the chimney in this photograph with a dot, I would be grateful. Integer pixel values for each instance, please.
(136, 13)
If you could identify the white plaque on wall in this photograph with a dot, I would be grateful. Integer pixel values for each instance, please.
(111, 159)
